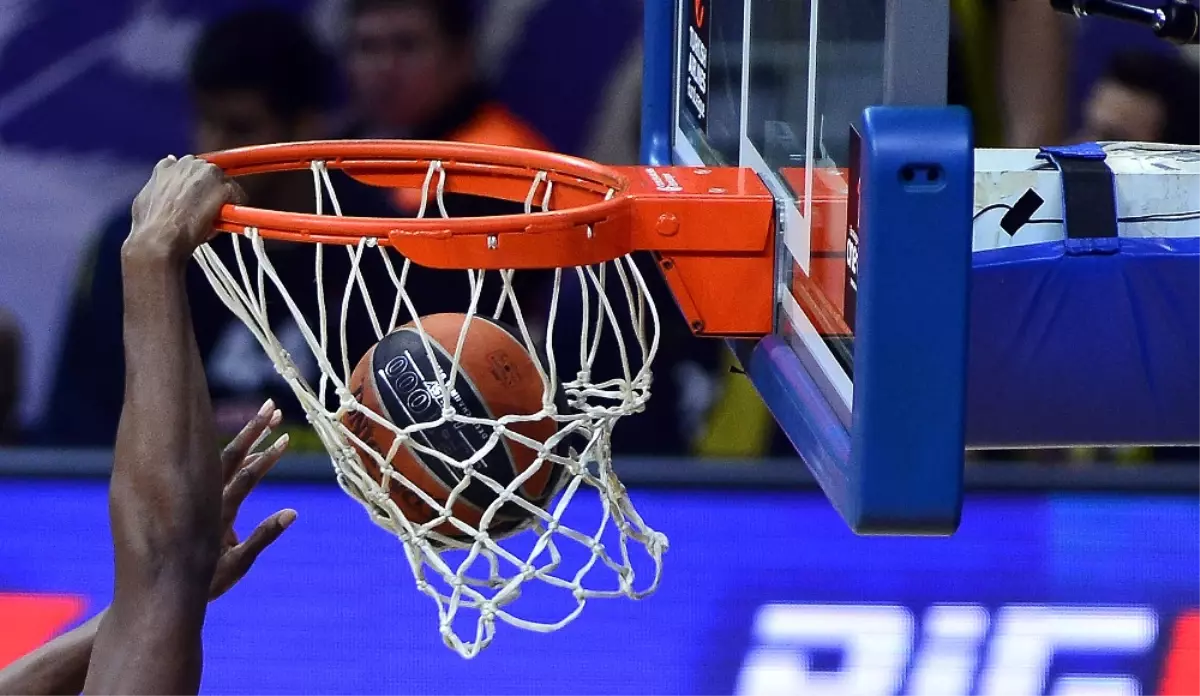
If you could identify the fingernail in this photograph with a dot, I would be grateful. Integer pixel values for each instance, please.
(282, 441)
(267, 407)
(276, 418)
(287, 518)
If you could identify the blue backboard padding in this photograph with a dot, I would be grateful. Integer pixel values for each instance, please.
(899, 469)
(657, 82)
(802, 411)
(905, 470)
(1085, 348)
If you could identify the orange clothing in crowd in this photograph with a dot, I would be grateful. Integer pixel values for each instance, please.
(491, 124)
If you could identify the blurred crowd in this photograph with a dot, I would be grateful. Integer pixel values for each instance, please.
(412, 69)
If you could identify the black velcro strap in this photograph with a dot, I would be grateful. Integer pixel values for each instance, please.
(1088, 190)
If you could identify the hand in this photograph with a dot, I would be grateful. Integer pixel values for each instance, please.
(174, 213)
(243, 469)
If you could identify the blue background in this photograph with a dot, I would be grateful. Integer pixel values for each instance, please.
(332, 609)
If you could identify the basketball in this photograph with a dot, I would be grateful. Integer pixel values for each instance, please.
(497, 377)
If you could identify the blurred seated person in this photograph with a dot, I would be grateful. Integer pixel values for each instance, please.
(1145, 96)
(255, 77)
(1153, 97)
(413, 75)
(10, 375)
(1009, 62)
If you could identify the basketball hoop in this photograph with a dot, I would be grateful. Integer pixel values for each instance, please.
(581, 220)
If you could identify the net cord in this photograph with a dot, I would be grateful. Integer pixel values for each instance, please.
(445, 568)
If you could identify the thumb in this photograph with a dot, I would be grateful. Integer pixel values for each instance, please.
(235, 193)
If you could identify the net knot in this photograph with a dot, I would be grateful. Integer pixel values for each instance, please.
(377, 497)
(286, 368)
(464, 567)
(343, 455)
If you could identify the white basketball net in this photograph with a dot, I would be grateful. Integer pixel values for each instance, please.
(483, 576)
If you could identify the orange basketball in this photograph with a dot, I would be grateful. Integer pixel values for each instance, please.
(496, 377)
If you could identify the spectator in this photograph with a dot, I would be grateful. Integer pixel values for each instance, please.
(412, 71)
(10, 374)
(255, 77)
(413, 74)
(1009, 63)
(1147, 97)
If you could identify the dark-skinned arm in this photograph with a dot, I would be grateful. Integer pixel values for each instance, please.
(165, 495)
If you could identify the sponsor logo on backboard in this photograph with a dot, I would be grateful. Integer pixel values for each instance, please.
(695, 77)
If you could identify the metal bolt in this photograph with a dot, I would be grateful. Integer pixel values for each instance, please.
(668, 225)
(492, 241)
(716, 190)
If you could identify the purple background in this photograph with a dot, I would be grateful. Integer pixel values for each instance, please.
(332, 608)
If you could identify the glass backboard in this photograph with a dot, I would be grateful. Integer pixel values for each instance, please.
(800, 92)
(775, 85)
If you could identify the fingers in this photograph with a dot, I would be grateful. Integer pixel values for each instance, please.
(254, 468)
(235, 194)
(214, 197)
(176, 210)
(250, 437)
(236, 562)
(231, 193)
(163, 164)
(157, 173)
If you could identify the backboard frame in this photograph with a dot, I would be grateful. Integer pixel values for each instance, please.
(882, 465)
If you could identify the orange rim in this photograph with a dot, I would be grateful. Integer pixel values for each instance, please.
(588, 221)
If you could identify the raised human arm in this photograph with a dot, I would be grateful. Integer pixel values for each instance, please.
(165, 495)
